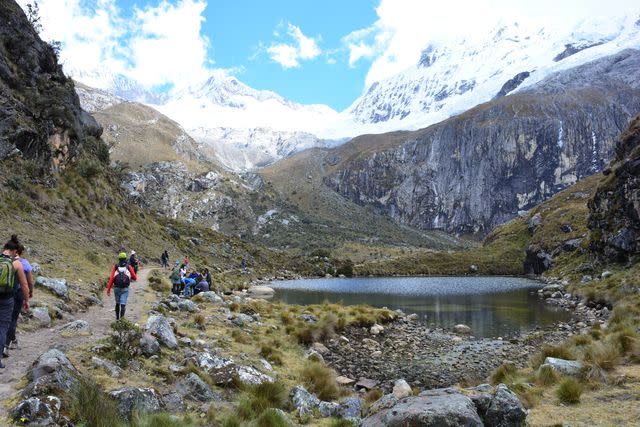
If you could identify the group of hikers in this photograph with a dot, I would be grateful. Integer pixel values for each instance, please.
(187, 281)
(16, 289)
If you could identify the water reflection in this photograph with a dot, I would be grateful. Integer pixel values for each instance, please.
(491, 306)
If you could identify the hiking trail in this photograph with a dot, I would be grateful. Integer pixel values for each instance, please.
(33, 344)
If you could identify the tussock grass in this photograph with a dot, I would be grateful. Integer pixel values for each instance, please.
(272, 418)
(569, 391)
(92, 407)
(161, 420)
(546, 376)
(271, 353)
(321, 380)
(340, 422)
(560, 352)
(503, 373)
(257, 399)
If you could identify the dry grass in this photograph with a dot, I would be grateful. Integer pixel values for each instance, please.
(321, 380)
(569, 391)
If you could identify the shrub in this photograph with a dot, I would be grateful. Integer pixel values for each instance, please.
(88, 168)
(502, 373)
(603, 355)
(569, 391)
(321, 380)
(546, 375)
(125, 340)
(92, 407)
(200, 321)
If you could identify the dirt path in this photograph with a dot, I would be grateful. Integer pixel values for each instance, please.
(33, 344)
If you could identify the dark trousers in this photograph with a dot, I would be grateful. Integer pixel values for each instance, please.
(18, 300)
(6, 310)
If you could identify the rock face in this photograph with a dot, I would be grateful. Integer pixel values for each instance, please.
(614, 211)
(40, 114)
(439, 407)
(478, 169)
(505, 409)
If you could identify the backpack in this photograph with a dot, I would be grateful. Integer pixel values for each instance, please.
(7, 275)
(122, 278)
(175, 276)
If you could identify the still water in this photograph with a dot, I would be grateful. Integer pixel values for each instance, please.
(491, 306)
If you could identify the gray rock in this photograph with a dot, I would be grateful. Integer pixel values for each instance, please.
(36, 269)
(351, 409)
(149, 345)
(385, 402)
(52, 371)
(37, 412)
(192, 387)
(138, 399)
(482, 402)
(328, 409)
(187, 305)
(314, 355)
(57, 286)
(251, 376)
(159, 326)
(534, 222)
(242, 319)
(437, 408)
(586, 279)
(366, 383)
(173, 402)
(505, 409)
(112, 369)
(210, 297)
(212, 363)
(566, 367)
(76, 328)
(309, 318)
(263, 292)
(461, 329)
(401, 389)
(320, 348)
(571, 245)
(41, 314)
(537, 261)
(301, 398)
(606, 274)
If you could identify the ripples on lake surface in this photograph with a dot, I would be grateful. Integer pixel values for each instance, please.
(491, 306)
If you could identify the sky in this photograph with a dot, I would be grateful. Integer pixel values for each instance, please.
(311, 52)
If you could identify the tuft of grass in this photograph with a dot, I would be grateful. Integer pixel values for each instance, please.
(546, 376)
(272, 418)
(92, 407)
(569, 391)
(503, 373)
(200, 321)
(560, 352)
(272, 354)
(160, 420)
(372, 396)
(603, 355)
(257, 399)
(341, 422)
(240, 337)
(321, 380)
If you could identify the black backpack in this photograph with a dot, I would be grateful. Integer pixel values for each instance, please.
(122, 278)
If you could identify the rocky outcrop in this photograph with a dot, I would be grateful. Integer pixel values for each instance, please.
(158, 326)
(57, 286)
(614, 211)
(130, 399)
(40, 114)
(478, 169)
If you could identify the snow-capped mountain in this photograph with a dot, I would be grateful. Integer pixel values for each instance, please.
(117, 84)
(452, 76)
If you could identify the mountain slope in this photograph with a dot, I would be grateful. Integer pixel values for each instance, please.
(478, 169)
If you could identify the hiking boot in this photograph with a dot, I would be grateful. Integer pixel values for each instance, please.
(1, 365)
(5, 353)
(13, 345)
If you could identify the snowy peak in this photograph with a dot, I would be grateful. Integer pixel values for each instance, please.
(118, 85)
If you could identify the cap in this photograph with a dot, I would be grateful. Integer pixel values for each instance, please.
(133, 252)
(122, 255)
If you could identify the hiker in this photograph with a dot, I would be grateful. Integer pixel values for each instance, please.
(121, 276)
(187, 281)
(201, 286)
(12, 341)
(176, 279)
(207, 277)
(243, 264)
(133, 261)
(165, 259)
(11, 275)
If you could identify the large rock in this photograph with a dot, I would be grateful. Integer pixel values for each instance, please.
(192, 387)
(187, 305)
(37, 412)
(76, 328)
(462, 329)
(433, 408)
(301, 398)
(138, 399)
(263, 292)
(505, 409)
(57, 286)
(41, 314)
(251, 376)
(159, 326)
(537, 261)
(113, 370)
(52, 372)
(566, 367)
(401, 389)
(149, 345)
(209, 296)
(225, 370)
(351, 409)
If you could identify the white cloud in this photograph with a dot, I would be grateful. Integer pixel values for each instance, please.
(405, 27)
(160, 45)
(302, 48)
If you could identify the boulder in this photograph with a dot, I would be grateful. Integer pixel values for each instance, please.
(328, 409)
(263, 292)
(376, 329)
(566, 367)
(210, 297)
(41, 314)
(534, 222)
(313, 355)
(57, 286)
(366, 383)
(505, 409)
(52, 371)
(241, 319)
(537, 261)
(187, 305)
(149, 345)
(309, 318)
(139, 399)
(320, 348)
(439, 407)
(76, 328)
(158, 326)
(112, 369)
(192, 387)
(461, 329)
(37, 412)
(571, 245)
(212, 363)
(351, 409)
(251, 376)
(173, 402)
(301, 398)
(385, 402)
(482, 402)
(606, 274)
(401, 389)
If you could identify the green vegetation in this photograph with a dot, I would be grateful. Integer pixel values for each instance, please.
(569, 391)
(125, 340)
(321, 381)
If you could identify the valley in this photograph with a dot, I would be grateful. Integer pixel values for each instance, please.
(476, 265)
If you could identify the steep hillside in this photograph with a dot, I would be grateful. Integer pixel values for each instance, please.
(478, 169)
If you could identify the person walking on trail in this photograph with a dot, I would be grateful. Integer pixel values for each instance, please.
(12, 341)
(165, 259)
(133, 261)
(11, 272)
(121, 276)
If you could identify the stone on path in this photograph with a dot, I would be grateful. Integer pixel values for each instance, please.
(76, 328)
(41, 314)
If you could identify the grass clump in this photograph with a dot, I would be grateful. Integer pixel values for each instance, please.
(321, 381)
(560, 352)
(257, 399)
(90, 406)
(272, 418)
(160, 420)
(503, 373)
(546, 376)
(341, 422)
(272, 354)
(569, 391)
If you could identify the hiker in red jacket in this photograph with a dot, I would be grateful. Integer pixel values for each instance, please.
(121, 276)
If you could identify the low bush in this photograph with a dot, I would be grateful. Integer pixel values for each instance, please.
(569, 391)
(125, 340)
(321, 380)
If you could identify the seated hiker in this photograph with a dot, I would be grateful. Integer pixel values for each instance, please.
(202, 286)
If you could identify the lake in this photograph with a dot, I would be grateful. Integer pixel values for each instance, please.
(491, 306)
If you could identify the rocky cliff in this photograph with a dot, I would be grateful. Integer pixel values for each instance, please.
(480, 168)
(40, 115)
(614, 211)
